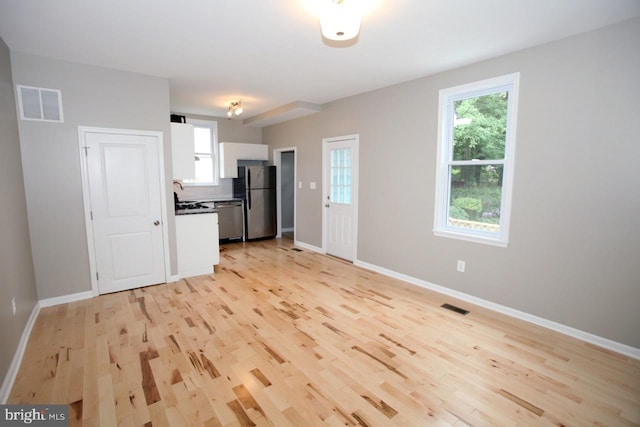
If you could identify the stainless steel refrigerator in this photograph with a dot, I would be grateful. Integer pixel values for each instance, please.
(256, 185)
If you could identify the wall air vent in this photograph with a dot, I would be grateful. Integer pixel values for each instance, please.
(36, 103)
(456, 309)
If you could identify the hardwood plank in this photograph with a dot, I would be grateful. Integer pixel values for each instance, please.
(526, 405)
(290, 337)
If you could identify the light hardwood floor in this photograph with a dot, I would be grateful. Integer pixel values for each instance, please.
(285, 337)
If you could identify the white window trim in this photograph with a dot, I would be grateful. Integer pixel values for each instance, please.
(214, 151)
(441, 228)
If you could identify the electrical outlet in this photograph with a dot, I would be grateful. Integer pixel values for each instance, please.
(13, 305)
(461, 265)
(312, 185)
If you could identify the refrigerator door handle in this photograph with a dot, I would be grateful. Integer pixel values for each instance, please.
(249, 199)
(248, 178)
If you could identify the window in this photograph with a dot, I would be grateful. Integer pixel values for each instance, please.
(205, 135)
(476, 146)
(340, 176)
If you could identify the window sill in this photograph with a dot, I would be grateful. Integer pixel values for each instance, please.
(486, 240)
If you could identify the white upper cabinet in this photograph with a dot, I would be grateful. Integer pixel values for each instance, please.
(182, 151)
(228, 160)
(231, 152)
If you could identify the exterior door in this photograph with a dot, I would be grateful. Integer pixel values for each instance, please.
(340, 159)
(124, 183)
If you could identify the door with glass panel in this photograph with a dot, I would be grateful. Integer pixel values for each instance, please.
(340, 193)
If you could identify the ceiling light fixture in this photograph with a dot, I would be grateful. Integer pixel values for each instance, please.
(235, 109)
(340, 19)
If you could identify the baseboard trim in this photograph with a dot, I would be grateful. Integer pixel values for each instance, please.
(624, 349)
(308, 246)
(10, 377)
(49, 302)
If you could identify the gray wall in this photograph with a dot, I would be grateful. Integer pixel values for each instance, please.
(17, 278)
(575, 233)
(231, 130)
(235, 131)
(91, 96)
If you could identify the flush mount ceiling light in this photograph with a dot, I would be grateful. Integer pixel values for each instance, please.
(340, 19)
(235, 109)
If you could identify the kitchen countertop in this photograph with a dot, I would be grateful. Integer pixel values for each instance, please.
(195, 211)
(225, 199)
(220, 199)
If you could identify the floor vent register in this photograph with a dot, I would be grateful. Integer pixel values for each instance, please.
(456, 309)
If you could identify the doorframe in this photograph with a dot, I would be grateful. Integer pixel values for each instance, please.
(83, 131)
(277, 161)
(354, 193)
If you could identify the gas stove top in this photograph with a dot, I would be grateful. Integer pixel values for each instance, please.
(189, 207)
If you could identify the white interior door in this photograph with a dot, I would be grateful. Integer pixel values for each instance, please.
(125, 192)
(340, 192)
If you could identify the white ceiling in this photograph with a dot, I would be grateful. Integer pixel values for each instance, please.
(270, 53)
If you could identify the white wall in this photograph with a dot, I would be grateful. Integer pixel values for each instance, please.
(91, 96)
(575, 233)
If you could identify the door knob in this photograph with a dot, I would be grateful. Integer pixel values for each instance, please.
(327, 205)
(156, 223)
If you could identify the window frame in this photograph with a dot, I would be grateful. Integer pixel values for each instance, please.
(213, 126)
(509, 83)
(345, 198)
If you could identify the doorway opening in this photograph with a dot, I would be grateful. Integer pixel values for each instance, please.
(285, 161)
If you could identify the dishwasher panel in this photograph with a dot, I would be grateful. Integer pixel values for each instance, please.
(230, 220)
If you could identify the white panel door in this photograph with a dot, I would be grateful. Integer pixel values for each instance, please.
(125, 186)
(340, 196)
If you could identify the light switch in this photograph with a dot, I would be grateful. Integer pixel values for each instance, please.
(312, 185)
(299, 184)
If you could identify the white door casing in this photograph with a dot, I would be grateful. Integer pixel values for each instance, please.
(340, 196)
(124, 208)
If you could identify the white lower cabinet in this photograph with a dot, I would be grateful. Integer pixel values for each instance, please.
(197, 243)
